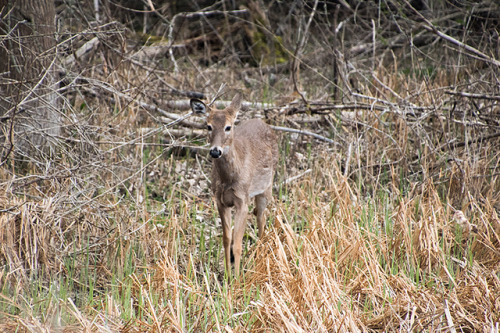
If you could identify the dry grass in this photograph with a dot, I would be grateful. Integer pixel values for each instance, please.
(333, 259)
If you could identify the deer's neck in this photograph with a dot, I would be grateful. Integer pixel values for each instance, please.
(228, 167)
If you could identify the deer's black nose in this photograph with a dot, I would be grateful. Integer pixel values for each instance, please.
(215, 152)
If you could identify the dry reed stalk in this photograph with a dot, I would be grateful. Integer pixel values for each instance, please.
(27, 230)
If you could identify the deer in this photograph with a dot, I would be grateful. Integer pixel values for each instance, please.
(244, 159)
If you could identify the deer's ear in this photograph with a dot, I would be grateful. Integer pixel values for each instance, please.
(198, 106)
(236, 102)
(235, 106)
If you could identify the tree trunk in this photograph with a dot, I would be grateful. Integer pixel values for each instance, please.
(29, 115)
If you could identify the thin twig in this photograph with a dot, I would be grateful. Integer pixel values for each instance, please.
(219, 93)
(298, 52)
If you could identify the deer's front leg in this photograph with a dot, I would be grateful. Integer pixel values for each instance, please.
(240, 221)
(225, 217)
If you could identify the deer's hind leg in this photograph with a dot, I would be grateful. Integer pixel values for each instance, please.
(261, 202)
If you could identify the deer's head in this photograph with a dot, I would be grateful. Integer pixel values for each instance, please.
(220, 124)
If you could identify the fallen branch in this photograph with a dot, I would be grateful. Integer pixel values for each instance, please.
(146, 106)
(325, 108)
(470, 95)
(294, 178)
(84, 49)
(187, 93)
(179, 132)
(173, 104)
(454, 145)
(183, 104)
(196, 129)
(291, 179)
(182, 120)
(293, 130)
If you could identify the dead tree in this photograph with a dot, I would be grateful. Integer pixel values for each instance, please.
(29, 116)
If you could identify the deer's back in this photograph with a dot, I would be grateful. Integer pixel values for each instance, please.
(258, 148)
(257, 137)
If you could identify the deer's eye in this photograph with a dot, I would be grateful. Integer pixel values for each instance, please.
(209, 127)
(227, 128)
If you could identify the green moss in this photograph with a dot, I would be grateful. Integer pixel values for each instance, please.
(149, 40)
(267, 50)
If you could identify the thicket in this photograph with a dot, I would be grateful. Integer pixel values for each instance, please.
(387, 195)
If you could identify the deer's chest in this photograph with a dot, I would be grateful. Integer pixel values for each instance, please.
(227, 196)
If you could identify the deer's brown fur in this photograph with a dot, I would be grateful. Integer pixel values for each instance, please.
(244, 160)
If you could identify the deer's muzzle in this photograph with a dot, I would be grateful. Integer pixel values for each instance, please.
(216, 152)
